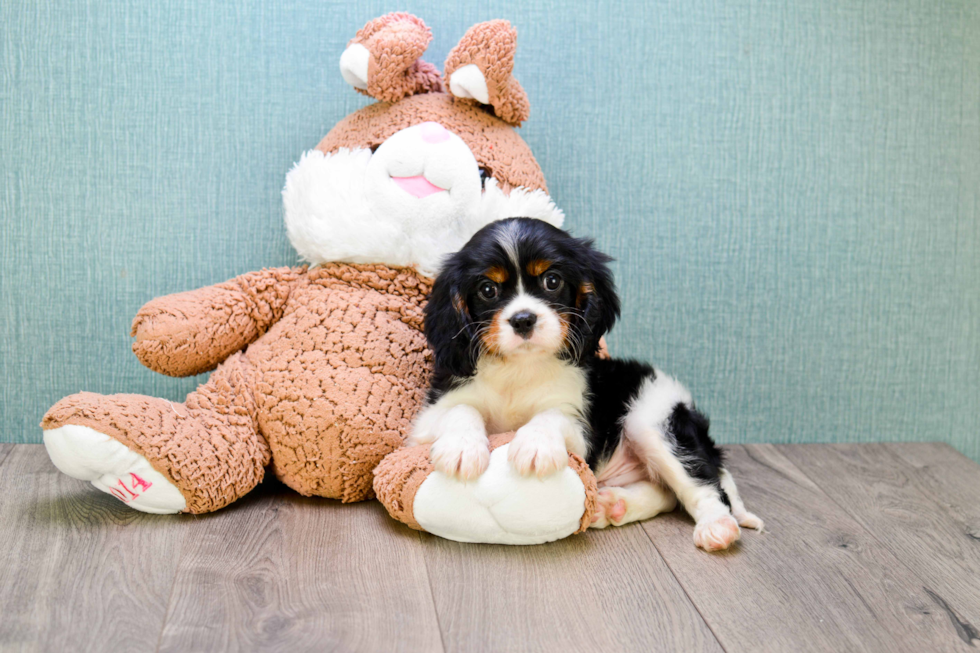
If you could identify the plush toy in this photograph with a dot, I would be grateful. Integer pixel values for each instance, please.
(500, 507)
(319, 370)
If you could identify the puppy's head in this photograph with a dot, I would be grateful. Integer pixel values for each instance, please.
(520, 287)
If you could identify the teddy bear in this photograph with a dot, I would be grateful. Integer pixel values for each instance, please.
(318, 370)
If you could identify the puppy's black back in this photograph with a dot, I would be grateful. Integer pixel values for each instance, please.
(613, 386)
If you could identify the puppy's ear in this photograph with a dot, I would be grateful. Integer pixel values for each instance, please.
(597, 298)
(449, 327)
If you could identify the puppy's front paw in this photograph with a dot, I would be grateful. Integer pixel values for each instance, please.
(716, 533)
(425, 429)
(535, 450)
(463, 456)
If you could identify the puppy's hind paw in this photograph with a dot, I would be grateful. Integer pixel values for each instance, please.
(748, 520)
(716, 533)
(610, 509)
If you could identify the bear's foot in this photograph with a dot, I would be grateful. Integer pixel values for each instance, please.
(84, 453)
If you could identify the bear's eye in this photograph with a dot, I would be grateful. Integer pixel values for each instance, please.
(484, 175)
(552, 282)
(488, 290)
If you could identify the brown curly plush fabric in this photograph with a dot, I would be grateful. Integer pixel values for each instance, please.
(191, 332)
(491, 47)
(400, 474)
(591, 490)
(396, 41)
(329, 384)
(341, 375)
(495, 144)
(398, 477)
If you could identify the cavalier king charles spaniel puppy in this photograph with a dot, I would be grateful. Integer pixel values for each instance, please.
(514, 321)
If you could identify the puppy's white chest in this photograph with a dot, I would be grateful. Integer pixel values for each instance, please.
(509, 393)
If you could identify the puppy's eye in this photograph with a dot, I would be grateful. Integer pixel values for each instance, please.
(552, 282)
(488, 290)
(484, 175)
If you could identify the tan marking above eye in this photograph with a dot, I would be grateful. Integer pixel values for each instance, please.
(497, 274)
(537, 267)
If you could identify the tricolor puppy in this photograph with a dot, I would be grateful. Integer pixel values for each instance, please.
(514, 320)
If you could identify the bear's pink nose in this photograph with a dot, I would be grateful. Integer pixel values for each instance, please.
(433, 132)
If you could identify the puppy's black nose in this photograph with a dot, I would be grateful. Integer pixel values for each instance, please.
(523, 323)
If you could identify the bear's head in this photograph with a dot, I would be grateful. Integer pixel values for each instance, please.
(410, 178)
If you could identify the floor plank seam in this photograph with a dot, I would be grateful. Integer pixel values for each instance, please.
(940, 506)
(680, 584)
(4, 456)
(432, 593)
(170, 595)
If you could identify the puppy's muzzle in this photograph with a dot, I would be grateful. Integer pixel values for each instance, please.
(523, 323)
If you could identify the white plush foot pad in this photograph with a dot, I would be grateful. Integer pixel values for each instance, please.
(86, 454)
(501, 506)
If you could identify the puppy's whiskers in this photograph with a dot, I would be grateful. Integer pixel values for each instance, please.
(568, 310)
(465, 327)
(483, 350)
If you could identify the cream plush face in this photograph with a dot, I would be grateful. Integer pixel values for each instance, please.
(409, 179)
(418, 197)
(428, 176)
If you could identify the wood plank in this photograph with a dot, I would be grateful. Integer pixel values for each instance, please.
(78, 569)
(887, 561)
(925, 513)
(600, 591)
(950, 476)
(277, 571)
(816, 581)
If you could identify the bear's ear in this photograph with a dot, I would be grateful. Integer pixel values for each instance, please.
(479, 68)
(382, 60)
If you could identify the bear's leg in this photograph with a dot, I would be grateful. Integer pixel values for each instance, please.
(164, 457)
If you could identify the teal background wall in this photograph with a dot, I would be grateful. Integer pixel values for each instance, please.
(791, 189)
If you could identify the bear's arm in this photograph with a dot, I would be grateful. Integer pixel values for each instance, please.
(192, 332)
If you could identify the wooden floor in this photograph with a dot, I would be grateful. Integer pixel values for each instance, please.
(869, 548)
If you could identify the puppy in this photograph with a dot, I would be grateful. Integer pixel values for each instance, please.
(514, 320)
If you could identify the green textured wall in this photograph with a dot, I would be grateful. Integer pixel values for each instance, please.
(791, 188)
